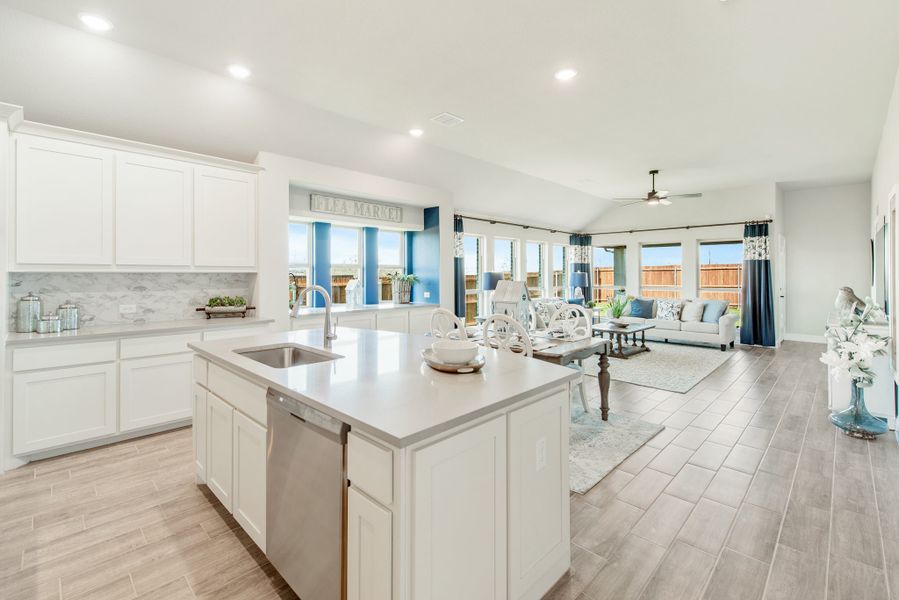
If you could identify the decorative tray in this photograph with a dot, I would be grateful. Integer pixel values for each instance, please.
(470, 367)
(225, 311)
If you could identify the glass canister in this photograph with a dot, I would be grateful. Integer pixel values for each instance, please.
(49, 324)
(68, 315)
(28, 313)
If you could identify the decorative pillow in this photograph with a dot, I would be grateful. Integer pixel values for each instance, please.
(669, 310)
(713, 310)
(641, 309)
(692, 311)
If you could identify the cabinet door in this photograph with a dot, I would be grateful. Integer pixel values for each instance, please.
(153, 206)
(539, 547)
(219, 459)
(62, 406)
(358, 321)
(224, 218)
(155, 390)
(420, 321)
(199, 432)
(394, 321)
(369, 553)
(459, 511)
(64, 202)
(249, 477)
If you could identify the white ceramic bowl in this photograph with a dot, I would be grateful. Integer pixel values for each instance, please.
(454, 352)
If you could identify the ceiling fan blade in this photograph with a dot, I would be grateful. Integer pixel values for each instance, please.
(685, 196)
(662, 194)
(628, 199)
(665, 201)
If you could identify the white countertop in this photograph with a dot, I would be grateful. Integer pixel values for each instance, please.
(94, 332)
(343, 308)
(381, 384)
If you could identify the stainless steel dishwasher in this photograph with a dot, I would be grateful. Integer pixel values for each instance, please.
(306, 493)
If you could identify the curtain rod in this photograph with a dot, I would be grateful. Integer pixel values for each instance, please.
(501, 222)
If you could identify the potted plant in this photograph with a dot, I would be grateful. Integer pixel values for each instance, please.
(616, 309)
(402, 287)
(222, 305)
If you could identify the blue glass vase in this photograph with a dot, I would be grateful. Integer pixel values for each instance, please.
(856, 420)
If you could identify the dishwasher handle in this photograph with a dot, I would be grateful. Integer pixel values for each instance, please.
(311, 417)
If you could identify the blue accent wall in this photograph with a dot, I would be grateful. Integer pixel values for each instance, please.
(423, 257)
(370, 283)
(321, 259)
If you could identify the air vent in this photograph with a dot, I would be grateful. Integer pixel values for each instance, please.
(447, 119)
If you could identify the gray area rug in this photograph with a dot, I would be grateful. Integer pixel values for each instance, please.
(672, 367)
(596, 446)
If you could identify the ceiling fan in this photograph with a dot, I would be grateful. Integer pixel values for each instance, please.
(655, 197)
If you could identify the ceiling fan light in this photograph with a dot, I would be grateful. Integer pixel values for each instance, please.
(654, 201)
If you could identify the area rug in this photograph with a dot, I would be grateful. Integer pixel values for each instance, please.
(672, 367)
(596, 446)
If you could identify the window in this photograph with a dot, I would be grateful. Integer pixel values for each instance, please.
(560, 271)
(504, 258)
(661, 271)
(345, 264)
(298, 259)
(534, 265)
(390, 260)
(609, 272)
(473, 264)
(721, 272)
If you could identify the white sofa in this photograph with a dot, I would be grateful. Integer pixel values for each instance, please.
(723, 333)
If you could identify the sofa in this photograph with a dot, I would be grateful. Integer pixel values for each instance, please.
(723, 333)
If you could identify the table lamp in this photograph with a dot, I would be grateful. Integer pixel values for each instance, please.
(578, 281)
(489, 281)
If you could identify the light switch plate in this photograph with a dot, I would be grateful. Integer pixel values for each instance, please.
(427, 295)
(127, 309)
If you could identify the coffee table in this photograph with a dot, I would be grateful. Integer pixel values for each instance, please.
(621, 332)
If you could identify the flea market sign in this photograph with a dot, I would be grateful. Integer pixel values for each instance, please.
(348, 207)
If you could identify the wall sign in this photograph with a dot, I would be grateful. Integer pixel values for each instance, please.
(355, 208)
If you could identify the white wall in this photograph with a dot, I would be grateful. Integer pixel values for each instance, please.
(828, 246)
(885, 176)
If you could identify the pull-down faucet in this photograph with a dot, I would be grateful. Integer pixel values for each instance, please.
(327, 297)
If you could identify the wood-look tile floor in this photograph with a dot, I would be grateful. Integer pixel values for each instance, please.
(748, 493)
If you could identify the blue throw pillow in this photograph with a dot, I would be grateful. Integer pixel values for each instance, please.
(642, 309)
(713, 310)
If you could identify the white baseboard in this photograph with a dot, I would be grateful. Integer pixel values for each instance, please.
(804, 337)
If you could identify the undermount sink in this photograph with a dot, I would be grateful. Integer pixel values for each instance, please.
(286, 355)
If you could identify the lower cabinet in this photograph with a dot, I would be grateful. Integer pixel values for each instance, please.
(199, 432)
(56, 407)
(364, 320)
(394, 321)
(369, 552)
(219, 456)
(249, 477)
(459, 511)
(155, 390)
(420, 321)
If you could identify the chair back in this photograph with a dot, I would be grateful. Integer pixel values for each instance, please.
(507, 334)
(446, 325)
(574, 321)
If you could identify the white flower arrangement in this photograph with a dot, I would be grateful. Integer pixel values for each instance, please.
(851, 349)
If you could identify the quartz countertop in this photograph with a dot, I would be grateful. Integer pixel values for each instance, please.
(115, 330)
(343, 308)
(381, 385)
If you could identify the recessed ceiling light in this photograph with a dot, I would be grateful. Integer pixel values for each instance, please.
(239, 71)
(416, 132)
(566, 74)
(95, 22)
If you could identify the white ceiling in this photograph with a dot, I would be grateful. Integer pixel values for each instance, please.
(715, 94)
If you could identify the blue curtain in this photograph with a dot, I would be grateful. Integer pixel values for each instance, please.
(757, 327)
(459, 266)
(579, 256)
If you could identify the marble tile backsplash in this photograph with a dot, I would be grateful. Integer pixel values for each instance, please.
(157, 296)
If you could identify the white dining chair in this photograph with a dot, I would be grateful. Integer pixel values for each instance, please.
(576, 324)
(446, 325)
(507, 334)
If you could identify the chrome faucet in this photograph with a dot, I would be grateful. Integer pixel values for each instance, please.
(301, 297)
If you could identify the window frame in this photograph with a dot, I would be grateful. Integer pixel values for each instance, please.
(541, 266)
(699, 287)
(553, 288)
(304, 268)
(481, 258)
(593, 279)
(399, 268)
(357, 267)
(516, 258)
(678, 289)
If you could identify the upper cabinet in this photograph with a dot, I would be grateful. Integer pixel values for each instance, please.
(225, 218)
(104, 205)
(64, 203)
(154, 206)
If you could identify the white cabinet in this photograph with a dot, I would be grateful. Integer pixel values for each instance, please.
(459, 511)
(62, 406)
(199, 432)
(539, 546)
(308, 322)
(420, 321)
(219, 458)
(249, 477)
(64, 203)
(393, 320)
(154, 204)
(155, 390)
(360, 320)
(369, 549)
(224, 218)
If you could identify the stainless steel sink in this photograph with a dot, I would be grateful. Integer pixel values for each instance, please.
(287, 355)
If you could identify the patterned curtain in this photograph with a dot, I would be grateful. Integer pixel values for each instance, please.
(757, 326)
(459, 266)
(579, 260)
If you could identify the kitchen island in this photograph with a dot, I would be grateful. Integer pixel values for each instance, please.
(456, 486)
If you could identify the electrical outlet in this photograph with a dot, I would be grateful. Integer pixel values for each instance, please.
(427, 295)
(127, 309)
(541, 453)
